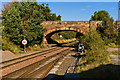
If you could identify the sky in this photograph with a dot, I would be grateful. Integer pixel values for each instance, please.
(82, 11)
(66, 0)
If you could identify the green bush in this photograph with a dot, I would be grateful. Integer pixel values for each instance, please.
(95, 46)
(35, 47)
(8, 45)
(23, 20)
(68, 34)
(113, 45)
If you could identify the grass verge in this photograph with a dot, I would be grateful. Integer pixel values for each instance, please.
(115, 52)
(112, 45)
(8, 45)
(65, 40)
(98, 70)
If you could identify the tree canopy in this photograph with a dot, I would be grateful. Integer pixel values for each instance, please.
(22, 20)
(100, 16)
(49, 16)
(108, 30)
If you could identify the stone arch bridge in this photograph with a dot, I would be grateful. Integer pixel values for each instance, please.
(57, 26)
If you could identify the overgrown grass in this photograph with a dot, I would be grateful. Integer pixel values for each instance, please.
(111, 45)
(8, 45)
(65, 40)
(35, 47)
(85, 67)
(115, 52)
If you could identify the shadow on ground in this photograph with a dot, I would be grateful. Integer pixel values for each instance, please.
(63, 77)
(108, 72)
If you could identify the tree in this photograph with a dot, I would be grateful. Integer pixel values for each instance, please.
(108, 30)
(53, 17)
(21, 20)
(47, 13)
(8, 5)
(100, 16)
(59, 17)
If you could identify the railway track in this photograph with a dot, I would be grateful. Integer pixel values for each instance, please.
(65, 71)
(39, 69)
(24, 58)
(20, 64)
(34, 68)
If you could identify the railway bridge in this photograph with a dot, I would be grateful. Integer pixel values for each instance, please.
(57, 26)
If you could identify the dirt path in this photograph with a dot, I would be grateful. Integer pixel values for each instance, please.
(115, 59)
(113, 49)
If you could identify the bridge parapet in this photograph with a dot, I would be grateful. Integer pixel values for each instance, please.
(82, 25)
(65, 22)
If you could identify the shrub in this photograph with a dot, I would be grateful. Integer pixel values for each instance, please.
(8, 45)
(95, 46)
(23, 20)
(113, 45)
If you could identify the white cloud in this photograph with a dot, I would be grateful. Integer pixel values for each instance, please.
(83, 9)
(112, 8)
(90, 6)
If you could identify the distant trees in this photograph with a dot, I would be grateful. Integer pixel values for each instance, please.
(108, 30)
(59, 17)
(49, 16)
(68, 34)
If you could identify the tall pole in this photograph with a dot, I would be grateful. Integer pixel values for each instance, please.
(24, 48)
(24, 45)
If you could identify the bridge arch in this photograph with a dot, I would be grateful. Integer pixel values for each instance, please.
(78, 26)
(49, 33)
